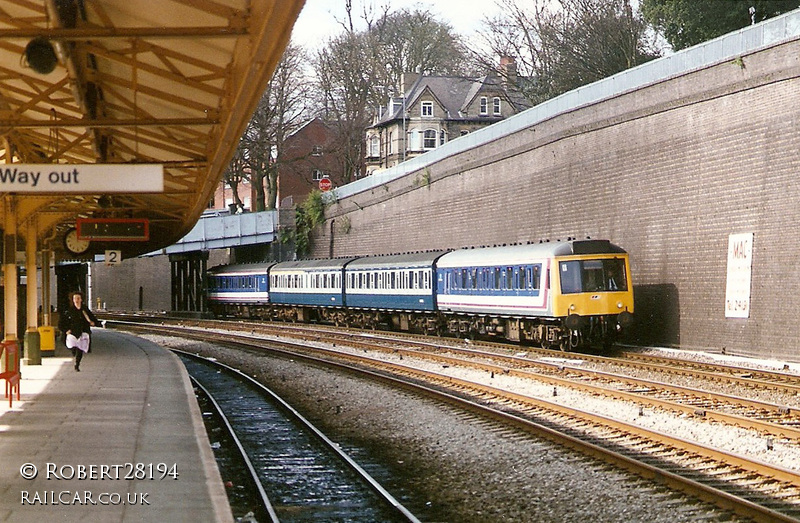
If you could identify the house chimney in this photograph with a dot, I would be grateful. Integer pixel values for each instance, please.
(508, 71)
(407, 80)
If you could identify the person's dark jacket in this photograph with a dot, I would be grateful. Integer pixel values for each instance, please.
(73, 320)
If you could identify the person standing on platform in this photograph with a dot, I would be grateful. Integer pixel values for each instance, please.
(76, 323)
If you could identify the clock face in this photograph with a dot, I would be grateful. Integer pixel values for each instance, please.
(74, 244)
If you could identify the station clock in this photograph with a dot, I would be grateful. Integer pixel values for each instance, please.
(74, 244)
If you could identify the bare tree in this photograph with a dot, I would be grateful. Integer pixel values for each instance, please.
(234, 175)
(359, 70)
(279, 113)
(563, 44)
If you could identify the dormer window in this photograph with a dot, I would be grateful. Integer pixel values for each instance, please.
(484, 105)
(496, 106)
(427, 109)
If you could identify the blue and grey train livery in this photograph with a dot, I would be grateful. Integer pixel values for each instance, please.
(555, 294)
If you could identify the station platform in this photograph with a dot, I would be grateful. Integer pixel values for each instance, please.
(121, 440)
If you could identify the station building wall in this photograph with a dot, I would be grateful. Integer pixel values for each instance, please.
(667, 171)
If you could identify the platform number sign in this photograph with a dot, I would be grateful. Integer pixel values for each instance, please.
(113, 257)
(737, 285)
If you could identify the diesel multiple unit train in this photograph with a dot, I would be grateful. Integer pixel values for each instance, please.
(563, 294)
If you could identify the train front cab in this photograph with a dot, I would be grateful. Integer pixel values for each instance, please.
(593, 294)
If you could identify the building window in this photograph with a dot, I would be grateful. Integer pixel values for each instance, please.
(496, 106)
(429, 139)
(427, 109)
(390, 144)
(317, 175)
(374, 146)
(316, 150)
(442, 137)
(484, 105)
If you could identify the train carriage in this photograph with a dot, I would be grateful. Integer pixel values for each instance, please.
(303, 290)
(560, 294)
(392, 290)
(231, 287)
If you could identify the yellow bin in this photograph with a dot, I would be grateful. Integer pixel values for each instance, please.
(47, 340)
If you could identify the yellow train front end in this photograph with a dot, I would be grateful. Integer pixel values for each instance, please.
(593, 296)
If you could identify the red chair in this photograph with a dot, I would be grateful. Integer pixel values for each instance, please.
(10, 349)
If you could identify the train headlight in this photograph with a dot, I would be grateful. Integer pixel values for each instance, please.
(620, 305)
(572, 307)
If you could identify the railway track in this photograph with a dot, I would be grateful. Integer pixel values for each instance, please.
(560, 370)
(754, 489)
(299, 474)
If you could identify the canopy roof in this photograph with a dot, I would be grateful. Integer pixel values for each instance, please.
(169, 82)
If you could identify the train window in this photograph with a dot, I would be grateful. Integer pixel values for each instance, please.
(535, 277)
(426, 279)
(523, 277)
(509, 278)
(570, 277)
(497, 278)
(463, 278)
(593, 276)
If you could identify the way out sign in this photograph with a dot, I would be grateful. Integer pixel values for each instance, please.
(737, 285)
(81, 178)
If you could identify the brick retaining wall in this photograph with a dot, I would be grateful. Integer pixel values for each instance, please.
(668, 172)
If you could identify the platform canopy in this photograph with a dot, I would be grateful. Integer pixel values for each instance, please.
(126, 85)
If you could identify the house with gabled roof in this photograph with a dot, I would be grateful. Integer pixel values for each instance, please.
(436, 109)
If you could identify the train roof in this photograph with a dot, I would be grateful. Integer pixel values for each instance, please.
(314, 265)
(512, 254)
(408, 260)
(241, 268)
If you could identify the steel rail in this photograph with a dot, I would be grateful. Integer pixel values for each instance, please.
(687, 405)
(265, 501)
(310, 427)
(642, 397)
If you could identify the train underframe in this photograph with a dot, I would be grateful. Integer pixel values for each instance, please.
(570, 333)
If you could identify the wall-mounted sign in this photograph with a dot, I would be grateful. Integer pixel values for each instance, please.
(113, 229)
(737, 286)
(113, 258)
(81, 178)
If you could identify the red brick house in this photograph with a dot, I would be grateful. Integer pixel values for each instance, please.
(309, 155)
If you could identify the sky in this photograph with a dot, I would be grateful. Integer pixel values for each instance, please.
(317, 20)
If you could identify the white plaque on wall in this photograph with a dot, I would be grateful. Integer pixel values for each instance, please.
(737, 286)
